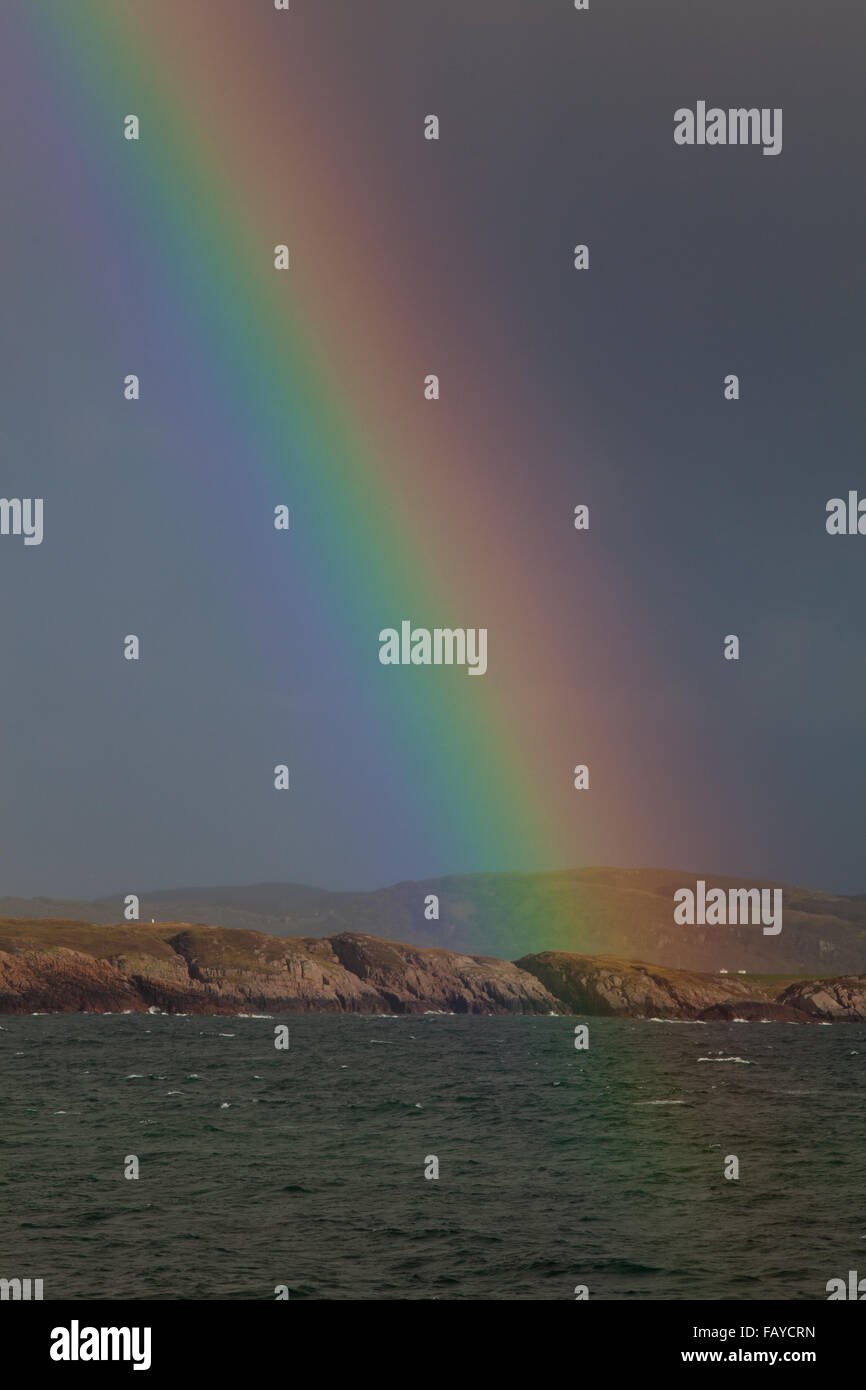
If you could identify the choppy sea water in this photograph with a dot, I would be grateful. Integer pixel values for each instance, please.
(305, 1167)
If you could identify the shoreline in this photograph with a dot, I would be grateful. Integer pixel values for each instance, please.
(51, 967)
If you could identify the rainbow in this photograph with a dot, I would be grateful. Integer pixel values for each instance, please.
(249, 137)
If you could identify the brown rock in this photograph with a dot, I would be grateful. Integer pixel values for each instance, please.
(835, 1001)
(62, 966)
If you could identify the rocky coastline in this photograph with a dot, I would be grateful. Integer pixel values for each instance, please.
(63, 966)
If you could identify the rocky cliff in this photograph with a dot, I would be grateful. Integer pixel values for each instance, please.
(606, 985)
(63, 966)
(66, 966)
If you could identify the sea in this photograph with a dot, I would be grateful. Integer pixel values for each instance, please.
(430, 1157)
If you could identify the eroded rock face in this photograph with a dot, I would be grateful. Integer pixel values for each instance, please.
(62, 981)
(632, 989)
(68, 967)
(834, 1001)
(414, 979)
(606, 985)
(59, 966)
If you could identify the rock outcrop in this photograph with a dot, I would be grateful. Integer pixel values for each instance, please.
(632, 989)
(608, 985)
(830, 1001)
(61, 966)
(67, 967)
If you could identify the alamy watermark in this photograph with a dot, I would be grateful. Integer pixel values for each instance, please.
(22, 516)
(22, 1290)
(738, 907)
(736, 126)
(76, 1343)
(441, 646)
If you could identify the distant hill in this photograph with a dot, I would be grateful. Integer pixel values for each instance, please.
(627, 913)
